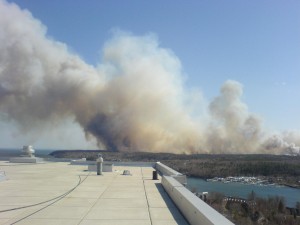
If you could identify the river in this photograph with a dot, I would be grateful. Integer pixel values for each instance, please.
(291, 195)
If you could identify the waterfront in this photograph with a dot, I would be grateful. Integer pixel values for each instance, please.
(291, 195)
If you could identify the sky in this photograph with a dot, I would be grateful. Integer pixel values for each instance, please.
(256, 43)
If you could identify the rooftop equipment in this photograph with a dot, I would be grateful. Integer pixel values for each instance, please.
(99, 164)
(28, 150)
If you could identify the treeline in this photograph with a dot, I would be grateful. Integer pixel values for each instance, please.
(149, 156)
(210, 169)
(268, 168)
(114, 155)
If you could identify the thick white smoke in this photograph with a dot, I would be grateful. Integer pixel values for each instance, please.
(233, 127)
(133, 100)
(287, 143)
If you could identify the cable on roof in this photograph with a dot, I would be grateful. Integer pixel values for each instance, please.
(56, 199)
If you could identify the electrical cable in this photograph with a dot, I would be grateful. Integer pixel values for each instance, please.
(56, 199)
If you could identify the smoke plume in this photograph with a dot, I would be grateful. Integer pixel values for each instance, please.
(133, 100)
(234, 128)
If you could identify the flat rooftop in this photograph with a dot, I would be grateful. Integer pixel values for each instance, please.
(64, 194)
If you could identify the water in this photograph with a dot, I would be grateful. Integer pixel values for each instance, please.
(291, 195)
(13, 152)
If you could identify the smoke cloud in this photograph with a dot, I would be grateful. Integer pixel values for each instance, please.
(133, 100)
(234, 128)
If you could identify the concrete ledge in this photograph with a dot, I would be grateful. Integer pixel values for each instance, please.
(167, 171)
(116, 163)
(58, 159)
(2, 175)
(81, 162)
(138, 164)
(193, 208)
(25, 160)
(106, 167)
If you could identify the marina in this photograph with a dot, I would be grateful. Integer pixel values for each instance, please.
(243, 180)
(242, 190)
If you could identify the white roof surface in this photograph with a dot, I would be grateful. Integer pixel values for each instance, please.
(111, 199)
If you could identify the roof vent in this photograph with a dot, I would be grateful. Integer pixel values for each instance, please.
(126, 173)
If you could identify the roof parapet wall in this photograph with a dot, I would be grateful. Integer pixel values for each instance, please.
(167, 171)
(193, 208)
